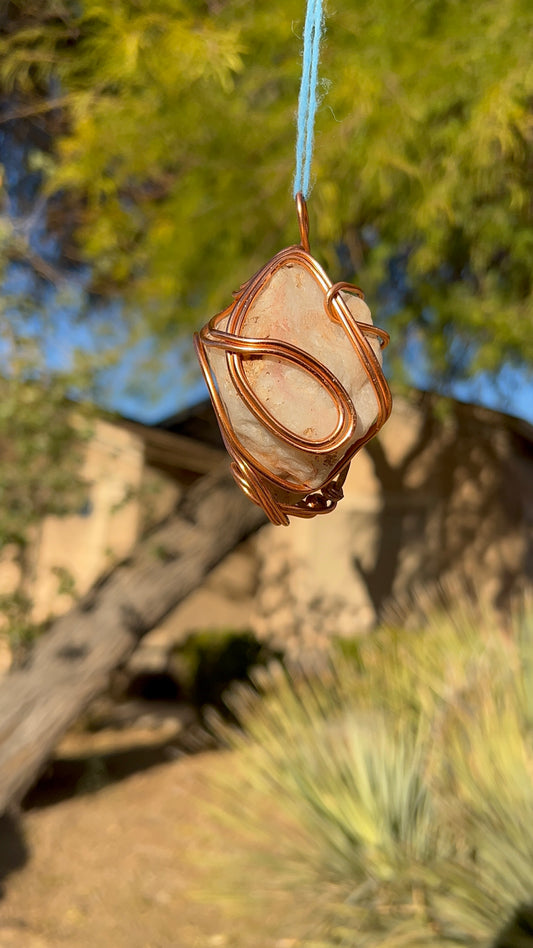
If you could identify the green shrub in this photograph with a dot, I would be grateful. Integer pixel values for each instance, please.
(403, 775)
(208, 660)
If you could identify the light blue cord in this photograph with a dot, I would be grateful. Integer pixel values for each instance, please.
(308, 100)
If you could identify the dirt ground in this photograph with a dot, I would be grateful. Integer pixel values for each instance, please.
(129, 866)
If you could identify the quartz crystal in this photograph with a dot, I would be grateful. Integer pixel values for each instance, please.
(290, 307)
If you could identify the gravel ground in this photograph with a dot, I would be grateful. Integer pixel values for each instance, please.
(129, 866)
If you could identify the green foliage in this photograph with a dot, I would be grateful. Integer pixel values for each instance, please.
(66, 584)
(164, 134)
(210, 659)
(15, 610)
(42, 440)
(179, 139)
(403, 781)
(80, 80)
(39, 460)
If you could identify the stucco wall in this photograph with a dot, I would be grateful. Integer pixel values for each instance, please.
(67, 555)
(444, 495)
(88, 543)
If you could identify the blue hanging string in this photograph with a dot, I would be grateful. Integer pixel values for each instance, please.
(308, 99)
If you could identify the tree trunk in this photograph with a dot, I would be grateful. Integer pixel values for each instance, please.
(72, 662)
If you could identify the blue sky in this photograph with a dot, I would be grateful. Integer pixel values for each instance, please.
(151, 397)
(180, 385)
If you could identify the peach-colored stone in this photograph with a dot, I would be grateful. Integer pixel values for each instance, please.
(290, 308)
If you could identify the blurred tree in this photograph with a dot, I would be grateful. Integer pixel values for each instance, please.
(155, 148)
(41, 437)
(174, 155)
(57, 52)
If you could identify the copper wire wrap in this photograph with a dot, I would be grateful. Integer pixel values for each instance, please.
(280, 498)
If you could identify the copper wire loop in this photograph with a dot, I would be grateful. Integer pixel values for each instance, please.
(280, 498)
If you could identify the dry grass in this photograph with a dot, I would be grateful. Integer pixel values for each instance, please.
(404, 772)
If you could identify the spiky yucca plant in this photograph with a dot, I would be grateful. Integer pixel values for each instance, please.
(405, 767)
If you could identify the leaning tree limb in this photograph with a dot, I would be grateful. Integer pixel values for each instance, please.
(72, 662)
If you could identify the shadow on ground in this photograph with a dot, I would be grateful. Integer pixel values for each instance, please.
(66, 777)
(519, 932)
(14, 853)
(133, 720)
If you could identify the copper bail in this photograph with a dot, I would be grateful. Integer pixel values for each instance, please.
(303, 221)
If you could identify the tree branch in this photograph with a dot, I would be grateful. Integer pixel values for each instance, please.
(72, 662)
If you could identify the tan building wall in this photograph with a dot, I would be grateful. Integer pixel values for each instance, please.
(432, 501)
(87, 544)
(69, 554)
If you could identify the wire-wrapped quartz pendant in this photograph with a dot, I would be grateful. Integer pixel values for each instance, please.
(293, 368)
